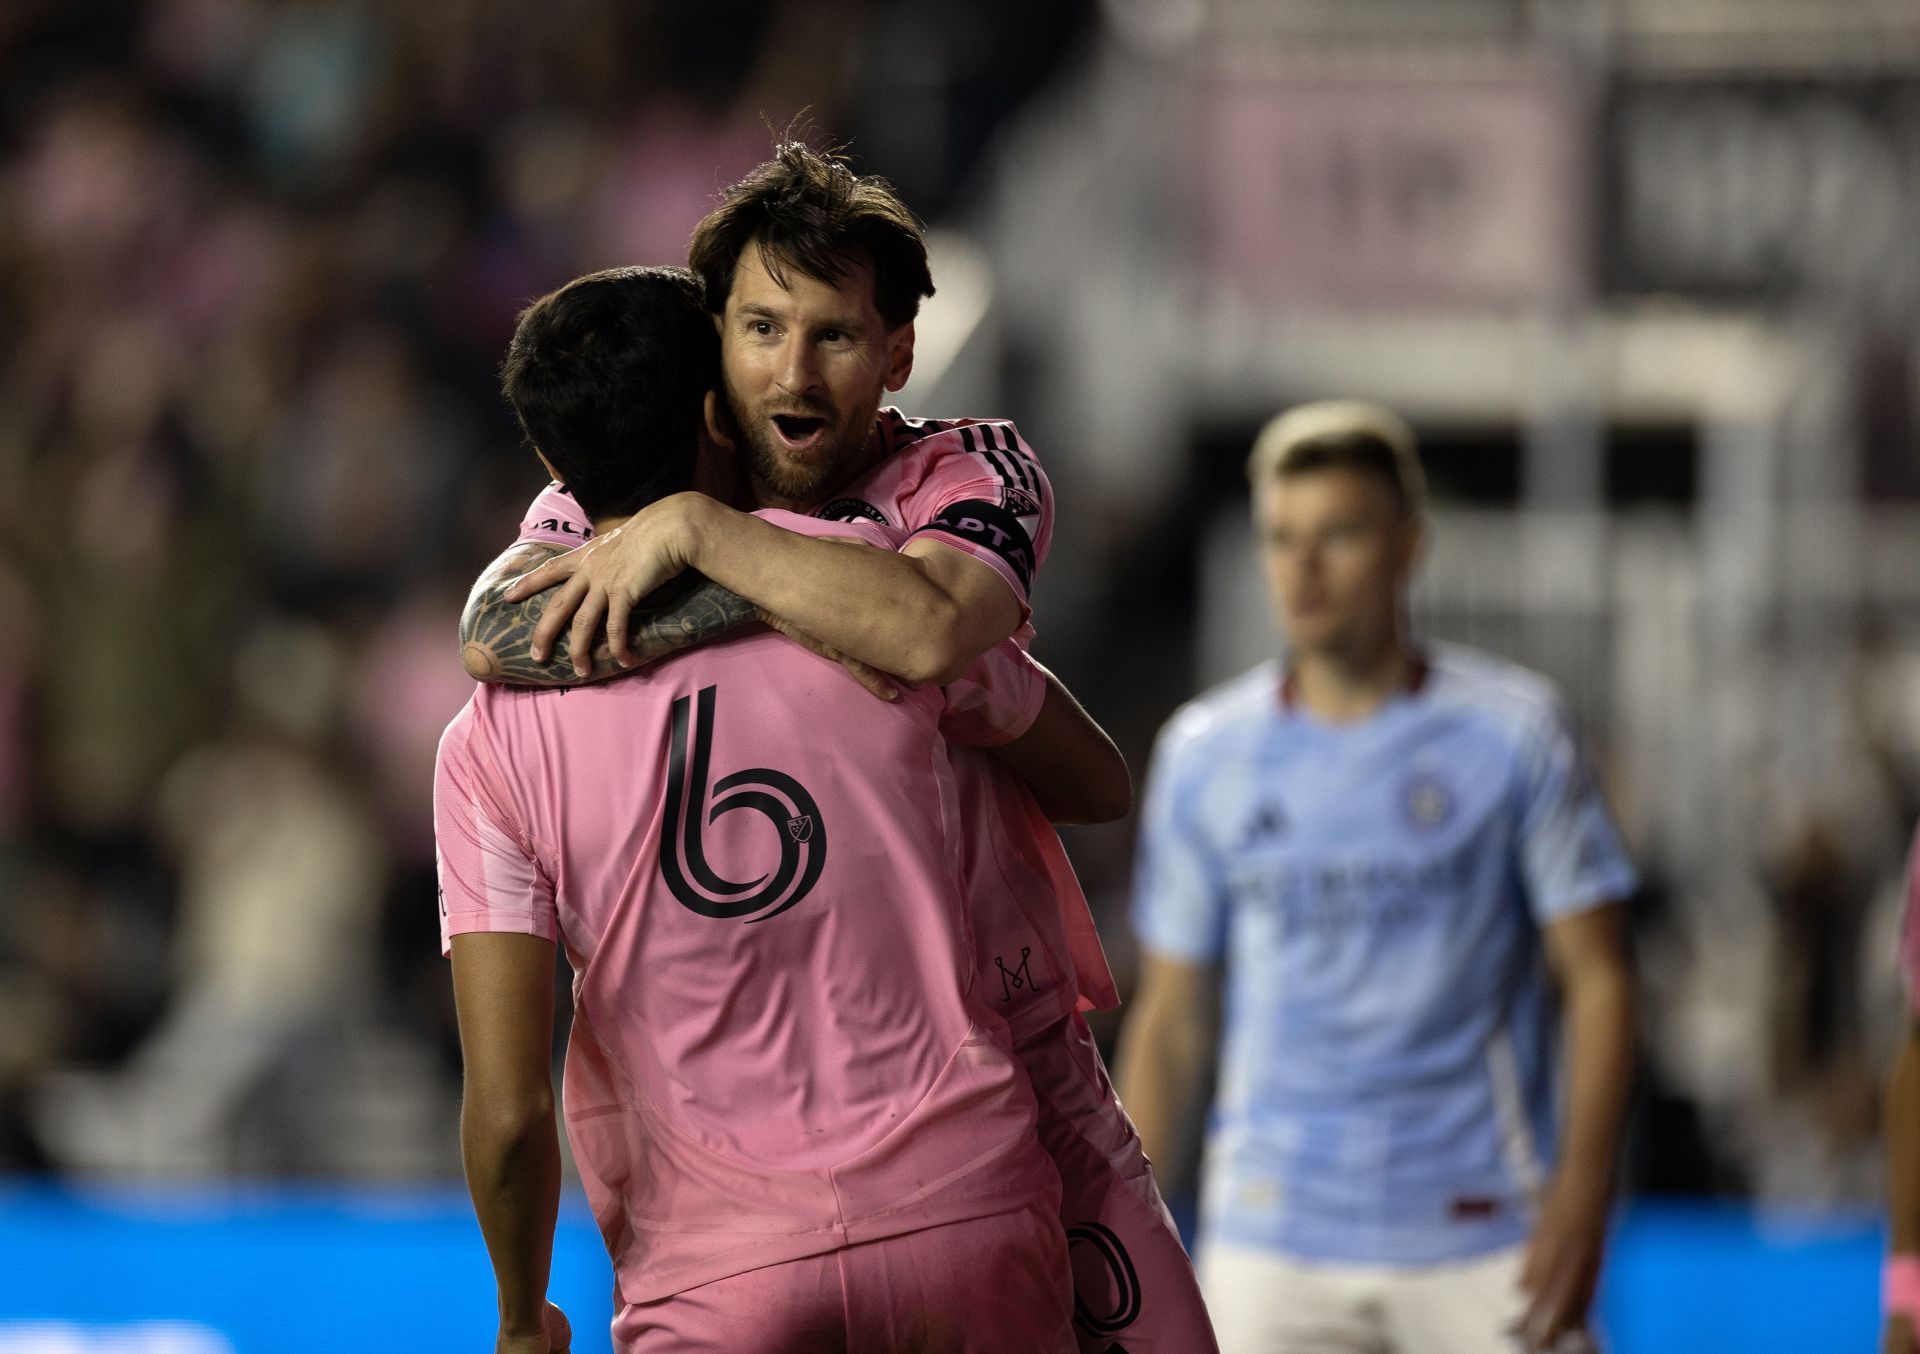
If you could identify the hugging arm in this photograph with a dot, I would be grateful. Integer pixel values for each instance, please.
(496, 635)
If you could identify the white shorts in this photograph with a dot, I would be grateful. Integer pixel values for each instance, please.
(1266, 1303)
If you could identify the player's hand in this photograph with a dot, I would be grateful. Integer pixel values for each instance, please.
(597, 585)
(874, 680)
(1898, 1336)
(1563, 1261)
(555, 1337)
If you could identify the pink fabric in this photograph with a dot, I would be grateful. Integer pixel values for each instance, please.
(1030, 908)
(997, 1283)
(1134, 1287)
(1900, 1289)
(554, 518)
(1910, 928)
(776, 1048)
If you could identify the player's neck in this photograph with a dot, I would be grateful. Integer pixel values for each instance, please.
(1346, 685)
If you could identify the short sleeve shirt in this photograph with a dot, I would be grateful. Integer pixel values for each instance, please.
(1375, 892)
(755, 869)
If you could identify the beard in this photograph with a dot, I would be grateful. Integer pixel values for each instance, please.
(782, 479)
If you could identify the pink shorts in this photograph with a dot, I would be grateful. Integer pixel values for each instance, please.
(996, 1283)
(1134, 1288)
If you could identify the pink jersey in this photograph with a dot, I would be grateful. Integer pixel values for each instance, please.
(1910, 928)
(754, 868)
(976, 486)
(973, 483)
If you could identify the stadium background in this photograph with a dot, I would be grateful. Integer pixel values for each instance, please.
(1642, 273)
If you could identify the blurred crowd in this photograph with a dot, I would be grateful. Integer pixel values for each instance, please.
(258, 262)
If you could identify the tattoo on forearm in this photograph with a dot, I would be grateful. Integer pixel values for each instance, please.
(496, 636)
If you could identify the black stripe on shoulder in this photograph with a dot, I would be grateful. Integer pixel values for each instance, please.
(1002, 464)
(1002, 435)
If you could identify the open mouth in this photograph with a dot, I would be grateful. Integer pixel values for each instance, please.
(798, 431)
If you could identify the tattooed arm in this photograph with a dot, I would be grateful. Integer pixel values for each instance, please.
(495, 633)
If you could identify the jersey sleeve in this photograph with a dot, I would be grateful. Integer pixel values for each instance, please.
(1571, 856)
(985, 495)
(555, 518)
(1179, 888)
(490, 877)
(996, 700)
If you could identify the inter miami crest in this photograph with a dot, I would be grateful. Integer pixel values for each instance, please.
(692, 878)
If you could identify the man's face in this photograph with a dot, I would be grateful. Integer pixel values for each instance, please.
(805, 367)
(1339, 552)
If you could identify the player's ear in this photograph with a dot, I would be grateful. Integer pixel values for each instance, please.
(558, 478)
(719, 420)
(900, 356)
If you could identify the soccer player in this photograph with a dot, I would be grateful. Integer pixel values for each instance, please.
(1902, 1288)
(814, 278)
(799, 1124)
(1371, 847)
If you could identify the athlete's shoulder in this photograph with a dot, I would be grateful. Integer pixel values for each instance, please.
(1515, 700)
(459, 731)
(992, 446)
(902, 431)
(1222, 714)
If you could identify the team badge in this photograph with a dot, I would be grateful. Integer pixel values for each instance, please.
(1427, 802)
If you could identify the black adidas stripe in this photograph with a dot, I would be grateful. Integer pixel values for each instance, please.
(990, 453)
(1021, 461)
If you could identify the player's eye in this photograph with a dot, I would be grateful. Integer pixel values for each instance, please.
(760, 328)
(832, 335)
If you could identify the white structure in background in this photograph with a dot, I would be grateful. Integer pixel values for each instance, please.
(1559, 219)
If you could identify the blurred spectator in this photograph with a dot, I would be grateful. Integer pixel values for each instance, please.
(280, 874)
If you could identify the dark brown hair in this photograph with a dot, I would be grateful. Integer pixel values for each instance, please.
(609, 378)
(809, 212)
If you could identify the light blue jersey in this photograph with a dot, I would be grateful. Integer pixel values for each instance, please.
(1375, 892)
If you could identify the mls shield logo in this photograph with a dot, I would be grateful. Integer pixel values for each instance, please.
(695, 881)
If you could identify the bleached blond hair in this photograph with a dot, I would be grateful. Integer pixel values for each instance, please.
(1341, 435)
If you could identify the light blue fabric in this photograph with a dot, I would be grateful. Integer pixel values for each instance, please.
(1375, 893)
